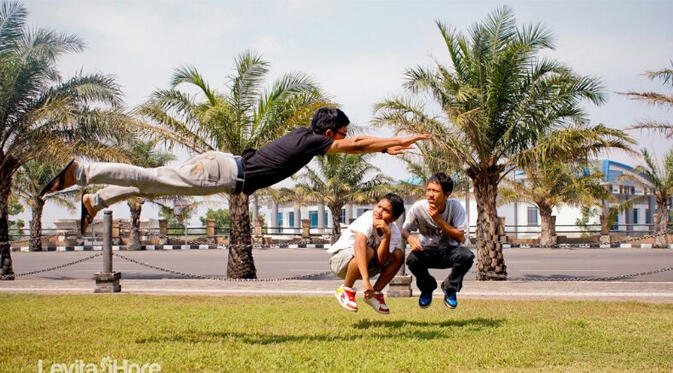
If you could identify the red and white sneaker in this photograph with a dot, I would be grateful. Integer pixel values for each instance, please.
(346, 298)
(378, 304)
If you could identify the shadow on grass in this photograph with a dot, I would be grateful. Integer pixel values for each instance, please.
(429, 330)
(476, 323)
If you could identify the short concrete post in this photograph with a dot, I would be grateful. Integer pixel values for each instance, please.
(554, 237)
(258, 227)
(163, 231)
(210, 230)
(305, 229)
(502, 235)
(108, 280)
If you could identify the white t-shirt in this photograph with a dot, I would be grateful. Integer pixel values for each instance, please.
(418, 217)
(365, 225)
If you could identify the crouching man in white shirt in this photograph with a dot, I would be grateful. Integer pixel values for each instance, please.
(442, 222)
(369, 246)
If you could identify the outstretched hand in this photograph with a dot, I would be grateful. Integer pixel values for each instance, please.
(406, 141)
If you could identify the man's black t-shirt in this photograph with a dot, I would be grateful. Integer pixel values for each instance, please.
(281, 158)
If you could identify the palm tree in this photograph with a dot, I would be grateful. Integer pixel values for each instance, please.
(551, 185)
(503, 107)
(244, 116)
(28, 183)
(661, 182)
(143, 154)
(41, 114)
(656, 99)
(340, 179)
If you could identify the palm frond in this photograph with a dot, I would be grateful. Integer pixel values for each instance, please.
(12, 21)
(652, 98)
(665, 75)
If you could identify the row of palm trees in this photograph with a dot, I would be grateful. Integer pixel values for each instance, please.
(502, 107)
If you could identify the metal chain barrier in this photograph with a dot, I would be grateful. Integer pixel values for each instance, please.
(316, 275)
(604, 278)
(58, 266)
(220, 278)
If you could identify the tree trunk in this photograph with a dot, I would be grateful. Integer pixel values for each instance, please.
(547, 238)
(336, 222)
(6, 268)
(605, 218)
(241, 264)
(136, 207)
(36, 224)
(490, 260)
(661, 224)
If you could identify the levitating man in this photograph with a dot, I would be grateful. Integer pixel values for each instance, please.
(217, 172)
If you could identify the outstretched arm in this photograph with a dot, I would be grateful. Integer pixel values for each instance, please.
(368, 144)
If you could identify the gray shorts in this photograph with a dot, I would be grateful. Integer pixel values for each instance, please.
(338, 263)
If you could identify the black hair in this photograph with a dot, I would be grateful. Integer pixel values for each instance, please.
(327, 118)
(444, 180)
(396, 202)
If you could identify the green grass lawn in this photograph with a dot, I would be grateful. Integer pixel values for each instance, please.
(243, 334)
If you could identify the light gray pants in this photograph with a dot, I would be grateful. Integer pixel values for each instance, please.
(207, 173)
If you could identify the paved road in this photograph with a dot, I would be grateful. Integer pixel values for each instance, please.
(553, 264)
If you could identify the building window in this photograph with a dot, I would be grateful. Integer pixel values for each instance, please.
(648, 216)
(532, 215)
(325, 220)
(635, 216)
(290, 218)
(313, 216)
(361, 211)
(342, 218)
(279, 219)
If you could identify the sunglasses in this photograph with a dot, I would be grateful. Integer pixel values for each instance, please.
(344, 134)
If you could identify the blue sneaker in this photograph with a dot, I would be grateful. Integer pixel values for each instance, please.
(425, 299)
(450, 299)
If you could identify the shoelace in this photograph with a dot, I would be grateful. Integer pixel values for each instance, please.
(379, 297)
(350, 295)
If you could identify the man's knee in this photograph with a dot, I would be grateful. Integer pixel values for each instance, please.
(466, 256)
(413, 261)
(370, 253)
(396, 258)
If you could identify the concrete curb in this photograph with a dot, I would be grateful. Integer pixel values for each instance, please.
(587, 246)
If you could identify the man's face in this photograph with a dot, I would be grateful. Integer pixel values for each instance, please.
(434, 193)
(339, 134)
(384, 210)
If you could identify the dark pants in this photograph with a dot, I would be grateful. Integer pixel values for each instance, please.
(459, 258)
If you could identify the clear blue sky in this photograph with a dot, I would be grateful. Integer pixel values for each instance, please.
(356, 50)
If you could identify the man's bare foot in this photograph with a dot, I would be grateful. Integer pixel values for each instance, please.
(88, 213)
(65, 179)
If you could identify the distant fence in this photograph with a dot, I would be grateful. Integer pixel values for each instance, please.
(186, 233)
(573, 230)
